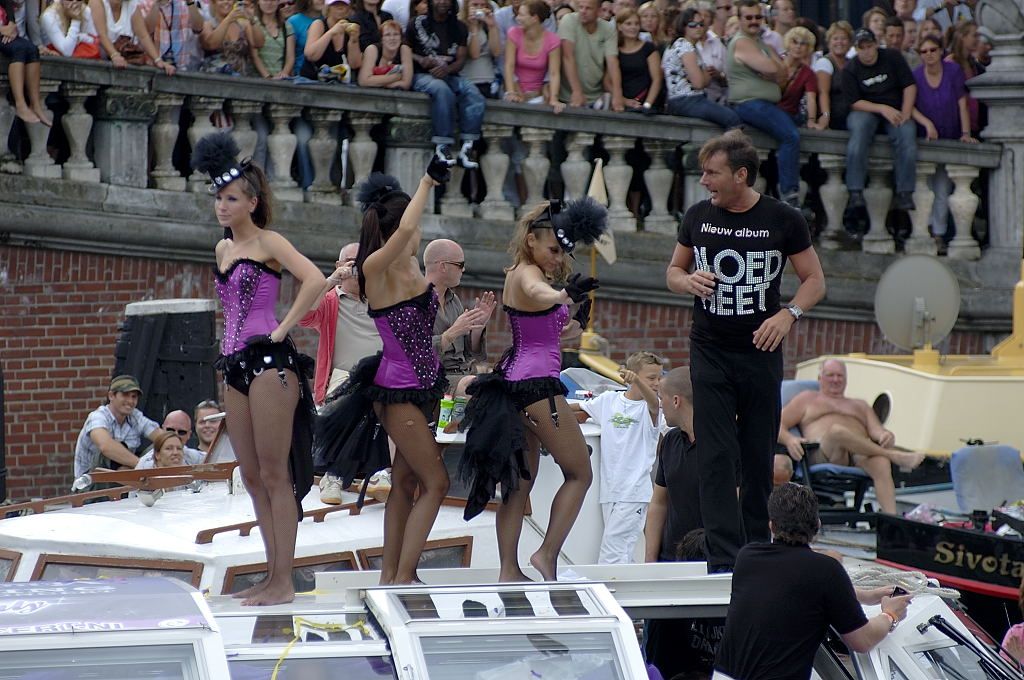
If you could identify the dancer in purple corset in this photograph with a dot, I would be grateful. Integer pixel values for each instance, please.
(399, 388)
(522, 404)
(267, 398)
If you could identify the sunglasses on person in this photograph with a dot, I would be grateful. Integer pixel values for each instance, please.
(180, 433)
(460, 265)
(753, 17)
(695, 24)
(928, 50)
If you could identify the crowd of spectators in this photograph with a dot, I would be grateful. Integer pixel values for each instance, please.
(731, 63)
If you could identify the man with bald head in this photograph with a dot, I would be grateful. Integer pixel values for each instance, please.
(458, 332)
(347, 333)
(847, 430)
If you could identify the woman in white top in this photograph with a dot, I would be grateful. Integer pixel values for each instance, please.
(116, 24)
(686, 77)
(827, 70)
(67, 26)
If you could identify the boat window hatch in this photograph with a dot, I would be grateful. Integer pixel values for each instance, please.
(8, 564)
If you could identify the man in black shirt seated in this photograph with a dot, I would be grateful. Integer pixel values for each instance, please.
(785, 596)
(882, 88)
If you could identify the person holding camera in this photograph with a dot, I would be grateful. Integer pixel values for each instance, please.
(168, 31)
(787, 576)
(483, 46)
(333, 42)
(229, 39)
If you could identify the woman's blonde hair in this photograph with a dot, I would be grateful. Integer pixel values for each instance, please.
(659, 36)
(798, 32)
(57, 7)
(839, 27)
(636, 361)
(519, 248)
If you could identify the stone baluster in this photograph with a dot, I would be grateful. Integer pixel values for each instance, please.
(8, 162)
(834, 197)
(878, 196)
(408, 153)
(920, 241)
(453, 203)
(658, 178)
(963, 203)
(575, 168)
(617, 175)
(77, 124)
(693, 192)
(202, 109)
(535, 166)
(494, 164)
(803, 187)
(242, 131)
(163, 136)
(281, 148)
(323, 149)
(362, 150)
(39, 163)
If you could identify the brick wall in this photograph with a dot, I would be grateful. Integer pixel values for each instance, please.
(60, 313)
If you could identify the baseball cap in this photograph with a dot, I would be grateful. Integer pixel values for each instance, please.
(864, 35)
(125, 383)
(332, 2)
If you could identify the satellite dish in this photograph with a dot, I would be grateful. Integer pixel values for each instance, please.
(916, 302)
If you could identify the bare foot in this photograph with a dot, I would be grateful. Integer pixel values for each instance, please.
(272, 594)
(907, 460)
(27, 114)
(548, 568)
(251, 590)
(516, 576)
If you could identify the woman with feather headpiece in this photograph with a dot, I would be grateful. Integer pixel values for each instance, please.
(396, 392)
(268, 401)
(522, 404)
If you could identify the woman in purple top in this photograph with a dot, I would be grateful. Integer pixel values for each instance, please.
(401, 387)
(267, 398)
(522, 404)
(941, 113)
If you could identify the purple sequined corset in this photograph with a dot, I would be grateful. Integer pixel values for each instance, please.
(536, 351)
(248, 293)
(407, 328)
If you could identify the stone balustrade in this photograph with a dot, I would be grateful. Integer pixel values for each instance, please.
(129, 128)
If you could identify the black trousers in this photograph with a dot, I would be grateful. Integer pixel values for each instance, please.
(736, 412)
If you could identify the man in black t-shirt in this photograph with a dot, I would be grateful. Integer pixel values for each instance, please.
(438, 42)
(785, 596)
(882, 89)
(730, 255)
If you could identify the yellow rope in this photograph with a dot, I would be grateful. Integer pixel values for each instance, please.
(329, 627)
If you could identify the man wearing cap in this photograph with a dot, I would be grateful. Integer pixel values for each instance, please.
(115, 430)
(882, 88)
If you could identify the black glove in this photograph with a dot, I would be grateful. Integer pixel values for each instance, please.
(439, 169)
(578, 287)
(582, 315)
(257, 340)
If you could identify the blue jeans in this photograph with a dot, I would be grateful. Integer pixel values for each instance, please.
(770, 119)
(699, 106)
(862, 126)
(445, 96)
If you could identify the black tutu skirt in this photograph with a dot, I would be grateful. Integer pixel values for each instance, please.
(260, 354)
(495, 449)
(349, 440)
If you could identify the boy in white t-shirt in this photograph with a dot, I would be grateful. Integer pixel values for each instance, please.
(629, 442)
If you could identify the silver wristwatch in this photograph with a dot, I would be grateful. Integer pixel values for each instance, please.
(795, 311)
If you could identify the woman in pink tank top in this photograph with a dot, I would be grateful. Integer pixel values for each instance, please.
(533, 58)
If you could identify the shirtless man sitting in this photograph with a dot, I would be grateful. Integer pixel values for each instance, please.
(848, 431)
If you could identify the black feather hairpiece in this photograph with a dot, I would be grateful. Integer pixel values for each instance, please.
(579, 221)
(217, 155)
(376, 188)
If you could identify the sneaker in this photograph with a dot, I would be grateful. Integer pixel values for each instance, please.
(443, 153)
(330, 490)
(856, 200)
(904, 201)
(468, 156)
(379, 487)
